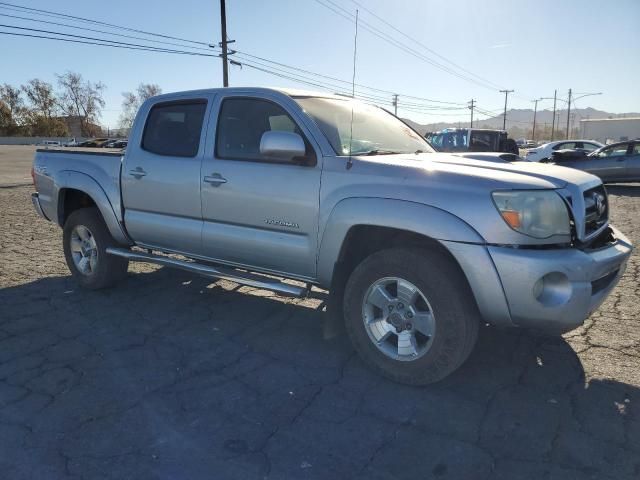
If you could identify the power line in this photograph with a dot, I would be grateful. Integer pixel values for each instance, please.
(56, 14)
(97, 22)
(344, 13)
(420, 107)
(69, 40)
(255, 57)
(101, 31)
(424, 46)
(107, 40)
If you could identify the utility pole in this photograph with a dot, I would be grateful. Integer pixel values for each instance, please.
(568, 113)
(553, 125)
(504, 119)
(471, 105)
(223, 44)
(535, 113)
(395, 104)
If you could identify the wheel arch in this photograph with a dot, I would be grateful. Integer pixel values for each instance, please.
(382, 223)
(78, 190)
(385, 223)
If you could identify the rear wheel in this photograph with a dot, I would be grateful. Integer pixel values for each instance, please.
(411, 315)
(85, 240)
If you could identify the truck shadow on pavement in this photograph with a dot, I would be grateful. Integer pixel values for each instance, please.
(169, 376)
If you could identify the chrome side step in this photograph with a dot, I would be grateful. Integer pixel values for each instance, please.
(209, 271)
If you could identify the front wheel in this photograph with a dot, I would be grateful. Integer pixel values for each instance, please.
(85, 240)
(411, 315)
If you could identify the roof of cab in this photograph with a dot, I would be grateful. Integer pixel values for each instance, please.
(291, 92)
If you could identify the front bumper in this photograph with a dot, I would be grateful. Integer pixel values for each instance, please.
(558, 289)
(35, 199)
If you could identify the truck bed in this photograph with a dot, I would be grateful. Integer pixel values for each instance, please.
(53, 168)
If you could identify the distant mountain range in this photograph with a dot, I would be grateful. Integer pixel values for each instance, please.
(523, 118)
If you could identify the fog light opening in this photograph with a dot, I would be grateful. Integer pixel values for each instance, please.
(552, 289)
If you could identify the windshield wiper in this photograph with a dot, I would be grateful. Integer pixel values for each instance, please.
(381, 152)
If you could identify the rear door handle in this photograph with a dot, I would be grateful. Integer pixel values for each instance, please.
(138, 173)
(215, 179)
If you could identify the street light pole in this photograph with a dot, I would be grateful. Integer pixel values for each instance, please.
(504, 118)
(471, 105)
(574, 100)
(553, 124)
(568, 113)
(535, 113)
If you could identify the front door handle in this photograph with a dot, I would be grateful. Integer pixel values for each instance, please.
(215, 179)
(137, 173)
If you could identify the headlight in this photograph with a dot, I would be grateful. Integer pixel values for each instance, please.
(537, 213)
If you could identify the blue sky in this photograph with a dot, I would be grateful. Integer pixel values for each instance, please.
(532, 47)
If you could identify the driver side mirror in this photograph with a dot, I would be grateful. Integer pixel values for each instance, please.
(282, 146)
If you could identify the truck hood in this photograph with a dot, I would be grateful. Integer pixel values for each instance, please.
(491, 169)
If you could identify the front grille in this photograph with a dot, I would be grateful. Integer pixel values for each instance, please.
(596, 209)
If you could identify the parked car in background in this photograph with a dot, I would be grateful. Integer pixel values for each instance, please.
(545, 151)
(416, 248)
(49, 143)
(619, 162)
(70, 143)
(94, 142)
(472, 140)
(115, 143)
(530, 144)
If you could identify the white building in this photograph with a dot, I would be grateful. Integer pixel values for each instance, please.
(611, 129)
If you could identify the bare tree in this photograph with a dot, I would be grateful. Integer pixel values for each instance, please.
(41, 97)
(12, 98)
(83, 99)
(131, 102)
(40, 113)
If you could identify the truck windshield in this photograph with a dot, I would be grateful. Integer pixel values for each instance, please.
(375, 131)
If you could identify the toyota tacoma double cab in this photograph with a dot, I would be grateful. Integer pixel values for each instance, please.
(416, 248)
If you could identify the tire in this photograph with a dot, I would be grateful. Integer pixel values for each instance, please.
(100, 269)
(443, 292)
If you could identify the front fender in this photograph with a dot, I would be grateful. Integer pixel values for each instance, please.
(87, 184)
(465, 244)
(403, 215)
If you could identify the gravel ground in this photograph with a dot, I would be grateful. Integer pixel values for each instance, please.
(170, 377)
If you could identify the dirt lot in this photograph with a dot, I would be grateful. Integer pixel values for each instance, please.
(168, 376)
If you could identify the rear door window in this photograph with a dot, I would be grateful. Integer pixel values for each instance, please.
(173, 129)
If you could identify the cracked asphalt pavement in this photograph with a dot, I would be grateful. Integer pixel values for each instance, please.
(170, 376)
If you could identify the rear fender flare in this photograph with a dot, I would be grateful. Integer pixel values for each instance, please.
(87, 184)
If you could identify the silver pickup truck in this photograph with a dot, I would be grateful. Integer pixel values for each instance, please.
(416, 248)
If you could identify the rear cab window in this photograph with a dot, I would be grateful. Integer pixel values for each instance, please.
(174, 128)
